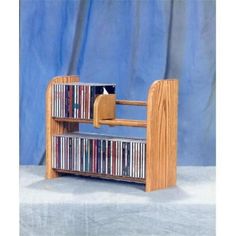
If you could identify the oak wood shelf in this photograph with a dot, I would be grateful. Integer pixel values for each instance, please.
(73, 120)
(161, 131)
(102, 176)
(112, 122)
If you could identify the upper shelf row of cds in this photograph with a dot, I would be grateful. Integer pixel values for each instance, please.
(75, 100)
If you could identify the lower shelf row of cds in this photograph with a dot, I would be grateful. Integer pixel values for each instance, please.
(95, 153)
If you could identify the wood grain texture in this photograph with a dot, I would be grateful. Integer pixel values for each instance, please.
(129, 102)
(104, 108)
(52, 126)
(161, 134)
(102, 176)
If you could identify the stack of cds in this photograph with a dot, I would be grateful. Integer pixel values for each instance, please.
(75, 100)
(100, 154)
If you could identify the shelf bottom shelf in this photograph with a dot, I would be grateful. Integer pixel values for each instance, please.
(102, 176)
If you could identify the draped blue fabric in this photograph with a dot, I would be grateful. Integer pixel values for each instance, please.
(130, 43)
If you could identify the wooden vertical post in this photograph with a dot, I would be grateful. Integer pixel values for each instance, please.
(162, 109)
(53, 127)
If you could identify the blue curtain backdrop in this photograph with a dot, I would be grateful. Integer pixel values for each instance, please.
(130, 43)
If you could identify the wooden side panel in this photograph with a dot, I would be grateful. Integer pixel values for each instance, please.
(54, 127)
(161, 134)
(104, 108)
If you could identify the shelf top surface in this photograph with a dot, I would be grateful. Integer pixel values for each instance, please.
(115, 122)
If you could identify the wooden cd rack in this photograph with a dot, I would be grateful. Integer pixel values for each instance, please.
(161, 130)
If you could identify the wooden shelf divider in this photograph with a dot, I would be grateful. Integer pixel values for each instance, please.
(161, 133)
